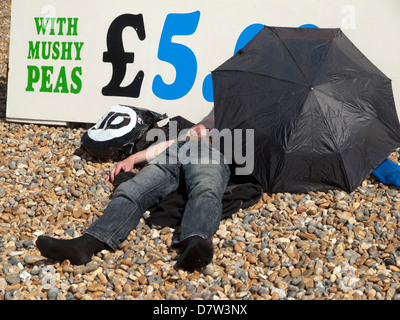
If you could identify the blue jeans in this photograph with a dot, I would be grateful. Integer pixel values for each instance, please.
(205, 175)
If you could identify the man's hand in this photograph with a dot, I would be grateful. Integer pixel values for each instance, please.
(124, 166)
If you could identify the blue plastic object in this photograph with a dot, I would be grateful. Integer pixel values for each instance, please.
(388, 173)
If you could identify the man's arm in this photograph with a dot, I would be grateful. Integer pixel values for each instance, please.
(144, 155)
(153, 151)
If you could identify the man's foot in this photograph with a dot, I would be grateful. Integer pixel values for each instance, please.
(77, 251)
(197, 253)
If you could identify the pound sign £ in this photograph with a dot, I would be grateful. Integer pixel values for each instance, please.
(117, 56)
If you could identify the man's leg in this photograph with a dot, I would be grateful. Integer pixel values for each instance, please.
(130, 200)
(206, 183)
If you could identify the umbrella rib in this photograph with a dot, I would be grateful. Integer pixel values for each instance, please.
(262, 75)
(347, 78)
(295, 62)
(326, 54)
(334, 142)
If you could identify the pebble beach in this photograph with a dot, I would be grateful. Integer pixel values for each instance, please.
(312, 246)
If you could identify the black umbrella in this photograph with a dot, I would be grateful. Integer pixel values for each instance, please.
(323, 115)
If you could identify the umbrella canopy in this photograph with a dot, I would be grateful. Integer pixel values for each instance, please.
(323, 115)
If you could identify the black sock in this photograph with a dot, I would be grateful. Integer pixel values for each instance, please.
(77, 251)
(197, 253)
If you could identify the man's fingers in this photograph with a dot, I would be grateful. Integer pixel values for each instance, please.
(112, 174)
(117, 168)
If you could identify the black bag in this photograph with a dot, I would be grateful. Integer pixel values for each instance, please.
(120, 132)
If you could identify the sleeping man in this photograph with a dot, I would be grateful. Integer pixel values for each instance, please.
(170, 164)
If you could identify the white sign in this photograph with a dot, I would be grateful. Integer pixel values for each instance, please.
(70, 61)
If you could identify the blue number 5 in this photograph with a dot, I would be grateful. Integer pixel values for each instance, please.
(180, 56)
